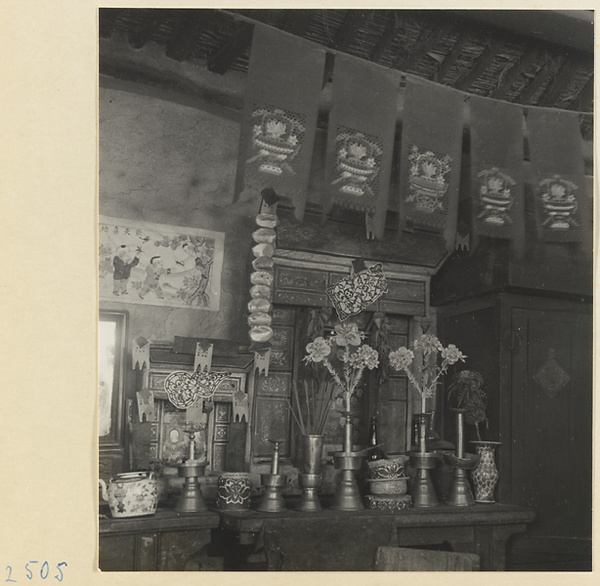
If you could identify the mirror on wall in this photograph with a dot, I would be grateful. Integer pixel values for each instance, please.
(112, 336)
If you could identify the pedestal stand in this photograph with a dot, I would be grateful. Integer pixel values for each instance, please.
(460, 494)
(191, 500)
(347, 496)
(273, 483)
(423, 491)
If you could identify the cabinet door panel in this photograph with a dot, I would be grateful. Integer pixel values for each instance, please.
(551, 419)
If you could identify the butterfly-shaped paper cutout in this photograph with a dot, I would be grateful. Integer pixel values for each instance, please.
(353, 293)
(184, 389)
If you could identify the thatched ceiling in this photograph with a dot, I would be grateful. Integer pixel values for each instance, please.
(538, 58)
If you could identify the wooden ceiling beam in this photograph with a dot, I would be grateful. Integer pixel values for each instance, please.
(139, 36)
(584, 101)
(428, 39)
(183, 42)
(386, 39)
(296, 21)
(538, 81)
(560, 82)
(486, 58)
(348, 29)
(452, 56)
(233, 48)
(519, 67)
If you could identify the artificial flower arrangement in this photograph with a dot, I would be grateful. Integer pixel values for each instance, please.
(344, 356)
(467, 391)
(429, 371)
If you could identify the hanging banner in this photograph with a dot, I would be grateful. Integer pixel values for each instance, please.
(556, 155)
(360, 140)
(285, 78)
(497, 151)
(430, 158)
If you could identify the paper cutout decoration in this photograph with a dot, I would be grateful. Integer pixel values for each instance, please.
(356, 292)
(184, 389)
(146, 409)
(203, 356)
(140, 353)
(240, 407)
(262, 358)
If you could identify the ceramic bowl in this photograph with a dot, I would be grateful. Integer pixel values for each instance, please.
(388, 467)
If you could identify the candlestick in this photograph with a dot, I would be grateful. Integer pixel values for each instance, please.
(192, 445)
(460, 450)
(275, 461)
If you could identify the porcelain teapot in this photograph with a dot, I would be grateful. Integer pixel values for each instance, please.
(131, 494)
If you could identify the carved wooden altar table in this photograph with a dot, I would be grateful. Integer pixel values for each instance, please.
(334, 540)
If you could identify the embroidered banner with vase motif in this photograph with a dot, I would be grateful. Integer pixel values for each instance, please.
(497, 150)
(430, 158)
(556, 155)
(285, 78)
(360, 139)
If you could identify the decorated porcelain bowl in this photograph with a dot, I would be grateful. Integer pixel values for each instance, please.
(388, 485)
(233, 491)
(387, 467)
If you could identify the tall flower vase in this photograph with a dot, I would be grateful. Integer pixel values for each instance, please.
(347, 495)
(485, 475)
(310, 478)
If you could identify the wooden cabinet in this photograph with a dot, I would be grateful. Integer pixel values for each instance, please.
(535, 354)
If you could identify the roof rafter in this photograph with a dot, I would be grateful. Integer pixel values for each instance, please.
(454, 54)
(296, 21)
(560, 82)
(538, 81)
(139, 36)
(481, 64)
(519, 67)
(428, 39)
(348, 29)
(385, 40)
(182, 43)
(220, 61)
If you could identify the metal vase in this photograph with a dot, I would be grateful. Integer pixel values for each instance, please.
(312, 453)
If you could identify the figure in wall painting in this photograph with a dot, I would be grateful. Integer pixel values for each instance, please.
(122, 265)
(154, 271)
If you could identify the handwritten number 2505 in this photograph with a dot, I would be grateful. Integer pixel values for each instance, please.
(44, 571)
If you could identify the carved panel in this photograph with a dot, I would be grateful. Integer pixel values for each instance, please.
(282, 348)
(219, 456)
(405, 291)
(301, 298)
(301, 279)
(283, 316)
(551, 376)
(276, 384)
(271, 422)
